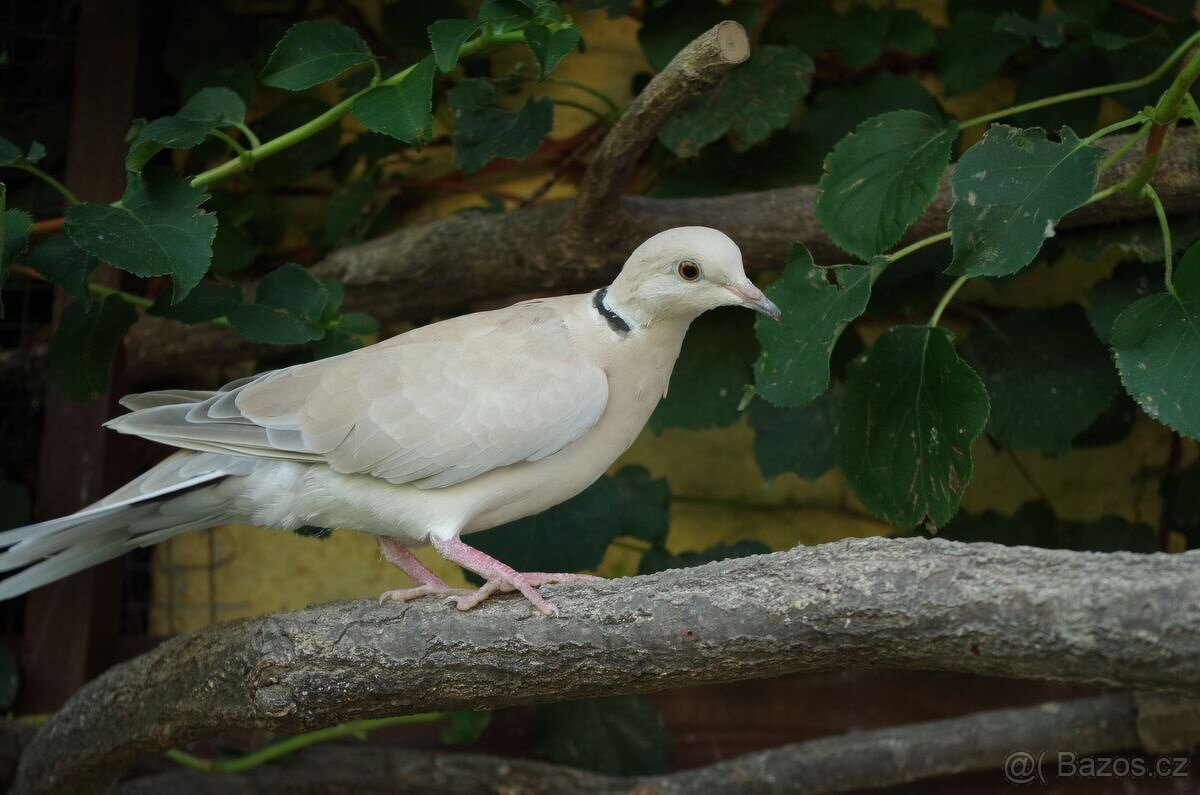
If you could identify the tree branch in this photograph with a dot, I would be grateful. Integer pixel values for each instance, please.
(853, 761)
(1119, 619)
(443, 266)
(696, 68)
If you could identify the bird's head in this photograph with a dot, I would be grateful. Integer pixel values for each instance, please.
(681, 273)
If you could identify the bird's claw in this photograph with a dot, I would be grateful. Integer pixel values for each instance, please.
(407, 594)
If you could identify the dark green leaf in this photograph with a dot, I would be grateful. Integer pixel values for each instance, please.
(14, 505)
(911, 411)
(1034, 524)
(347, 209)
(207, 301)
(360, 324)
(711, 373)
(313, 531)
(973, 52)
(156, 230)
(1010, 190)
(447, 36)
(13, 155)
(14, 236)
(294, 290)
(796, 440)
(658, 559)
(752, 101)
(618, 736)
(484, 132)
(65, 264)
(646, 503)
(535, 543)
(301, 160)
(465, 727)
(1108, 298)
(406, 25)
(1047, 375)
(1076, 66)
(83, 346)
(834, 111)
(880, 179)
(550, 47)
(334, 343)
(270, 326)
(666, 29)
(209, 109)
(312, 52)
(793, 367)
(404, 111)
(248, 225)
(1158, 350)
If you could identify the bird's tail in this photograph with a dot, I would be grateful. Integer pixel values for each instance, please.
(182, 493)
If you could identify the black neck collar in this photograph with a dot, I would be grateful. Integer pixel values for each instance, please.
(615, 321)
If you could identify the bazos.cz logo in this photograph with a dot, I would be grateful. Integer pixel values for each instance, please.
(1023, 767)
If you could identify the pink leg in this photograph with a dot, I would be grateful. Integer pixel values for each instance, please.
(399, 556)
(499, 576)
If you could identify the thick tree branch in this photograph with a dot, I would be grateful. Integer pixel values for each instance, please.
(854, 761)
(443, 266)
(1118, 619)
(696, 68)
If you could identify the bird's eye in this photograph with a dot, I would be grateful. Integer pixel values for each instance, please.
(688, 270)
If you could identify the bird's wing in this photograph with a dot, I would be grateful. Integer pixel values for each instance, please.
(432, 407)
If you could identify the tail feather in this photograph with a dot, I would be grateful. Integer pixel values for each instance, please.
(184, 492)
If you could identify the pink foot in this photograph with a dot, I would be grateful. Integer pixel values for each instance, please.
(399, 556)
(499, 577)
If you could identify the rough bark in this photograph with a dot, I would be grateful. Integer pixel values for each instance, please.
(1118, 619)
(858, 760)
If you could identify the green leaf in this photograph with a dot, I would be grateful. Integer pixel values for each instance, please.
(659, 559)
(312, 52)
(294, 290)
(484, 132)
(447, 36)
(1010, 190)
(247, 226)
(973, 52)
(14, 505)
(834, 111)
(796, 440)
(405, 111)
(1047, 375)
(14, 236)
(911, 411)
(301, 160)
(156, 230)
(359, 324)
(549, 47)
(793, 367)
(209, 109)
(64, 264)
(270, 326)
(1107, 299)
(334, 343)
(668, 28)
(13, 155)
(711, 373)
(207, 301)
(1034, 524)
(83, 346)
(347, 209)
(465, 726)
(618, 736)
(859, 35)
(881, 178)
(535, 543)
(752, 101)
(1157, 339)
(646, 503)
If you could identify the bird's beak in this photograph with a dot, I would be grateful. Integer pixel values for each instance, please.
(751, 297)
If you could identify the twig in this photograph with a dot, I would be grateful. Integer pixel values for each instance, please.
(697, 67)
(1119, 619)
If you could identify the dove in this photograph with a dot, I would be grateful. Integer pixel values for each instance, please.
(449, 429)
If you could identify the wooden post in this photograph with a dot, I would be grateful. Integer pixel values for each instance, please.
(71, 625)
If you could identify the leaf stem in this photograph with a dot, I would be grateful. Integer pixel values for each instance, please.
(100, 291)
(1169, 278)
(1111, 88)
(233, 144)
(357, 728)
(1112, 128)
(331, 116)
(1121, 150)
(613, 110)
(947, 297)
(570, 103)
(917, 246)
(251, 138)
(49, 180)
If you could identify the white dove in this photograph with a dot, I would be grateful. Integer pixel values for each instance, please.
(449, 429)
